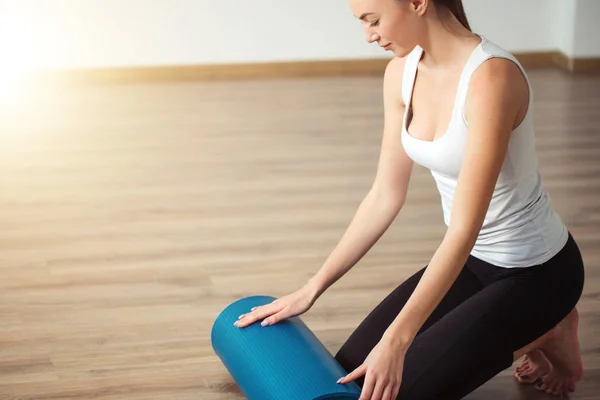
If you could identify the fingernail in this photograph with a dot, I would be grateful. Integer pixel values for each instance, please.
(265, 323)
(241, 316)
(236, 323)
(253, 308)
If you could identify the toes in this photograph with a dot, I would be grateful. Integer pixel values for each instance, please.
(550, 384)
(540, 384)
(520, 378)
(524, 364)
(559, 388)
(553, 387)
(527, 379)
(526, 371)
(528, 376)
(523, 378)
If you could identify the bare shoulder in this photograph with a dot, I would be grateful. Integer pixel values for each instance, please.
(499, 83)
(499, 77)
(392, 81)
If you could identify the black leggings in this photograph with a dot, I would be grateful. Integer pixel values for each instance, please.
(487, 315)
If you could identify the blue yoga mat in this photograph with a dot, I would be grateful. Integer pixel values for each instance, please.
(285, 361)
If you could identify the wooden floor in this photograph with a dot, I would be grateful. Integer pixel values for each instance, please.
(130, 216)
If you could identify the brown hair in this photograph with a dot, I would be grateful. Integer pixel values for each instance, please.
(457, 9)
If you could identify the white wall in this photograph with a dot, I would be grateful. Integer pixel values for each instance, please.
(564, 25)
(587, 30)
(156, 32)
(517, 25)
(576, 27)
(102, 33)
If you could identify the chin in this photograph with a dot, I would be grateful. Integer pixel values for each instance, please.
(401, 53)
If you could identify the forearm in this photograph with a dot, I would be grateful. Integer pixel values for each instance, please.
(437, 279)
(374, 215)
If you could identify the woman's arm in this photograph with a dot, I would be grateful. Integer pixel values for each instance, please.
(384, 200)
(498, 92)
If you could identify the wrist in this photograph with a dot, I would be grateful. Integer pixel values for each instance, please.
(399, 339)
(314, 289)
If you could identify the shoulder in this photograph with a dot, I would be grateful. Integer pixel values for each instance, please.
(392, 79)
(498, 76)
(499, 83)
(394, 69)
(498, 73)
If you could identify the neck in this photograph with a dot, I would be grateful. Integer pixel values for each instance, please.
(445, 44)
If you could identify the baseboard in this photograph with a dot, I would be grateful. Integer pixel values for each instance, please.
(299, 69)
(538, 60)
(585, 65)
(174, 74)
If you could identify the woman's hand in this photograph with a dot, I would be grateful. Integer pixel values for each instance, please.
(289, 306)
(383, 368)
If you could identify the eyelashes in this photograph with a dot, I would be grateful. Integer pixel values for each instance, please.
(374, 23)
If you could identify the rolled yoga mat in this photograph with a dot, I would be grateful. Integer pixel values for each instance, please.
(285, 361)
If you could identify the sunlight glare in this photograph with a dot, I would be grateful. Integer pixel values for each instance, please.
(17, 70)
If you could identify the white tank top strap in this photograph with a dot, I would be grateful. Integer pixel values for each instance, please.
(410, 73)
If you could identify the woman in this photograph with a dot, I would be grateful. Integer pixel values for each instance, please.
(507, 275)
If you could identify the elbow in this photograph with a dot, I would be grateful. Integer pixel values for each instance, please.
(463, 233)
(388, 199)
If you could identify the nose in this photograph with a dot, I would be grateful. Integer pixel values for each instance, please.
(372, 37)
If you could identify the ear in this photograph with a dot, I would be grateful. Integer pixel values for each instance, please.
(419, 6)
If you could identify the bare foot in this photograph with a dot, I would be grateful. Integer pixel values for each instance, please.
(535, 365)
(562, 365)
(562, 350)
(555, 384)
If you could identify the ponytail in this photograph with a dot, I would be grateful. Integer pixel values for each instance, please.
(457, 9)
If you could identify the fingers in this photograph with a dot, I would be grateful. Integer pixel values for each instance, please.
(373, 388)
(378, 388)
(357, 373)
(368, 387)
(259, 313)
(388, 393)
(274, 319)
(395, 391)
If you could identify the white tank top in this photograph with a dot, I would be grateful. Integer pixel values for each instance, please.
(521, 228)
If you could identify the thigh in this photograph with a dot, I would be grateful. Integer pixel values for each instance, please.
(476, 340)
(366, 336)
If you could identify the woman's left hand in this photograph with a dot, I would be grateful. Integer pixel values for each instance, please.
(383, 368)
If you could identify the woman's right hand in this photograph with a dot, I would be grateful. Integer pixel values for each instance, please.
(288, 306)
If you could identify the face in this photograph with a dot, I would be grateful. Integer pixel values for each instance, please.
(395, 25)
